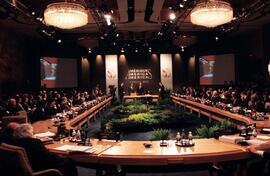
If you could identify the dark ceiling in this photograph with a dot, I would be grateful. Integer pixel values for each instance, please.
(139, 20)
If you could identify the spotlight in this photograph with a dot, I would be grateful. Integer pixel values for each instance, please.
(89, 50)
(172, 16)
(117, 35)
(59, 41)
(39, 19)
(160, 33)
(114, 43)
(108, 19)
(109, 22)
(183, 48)
(101, 37)
(216, 38)
(33, 13)
(181, 5)
(122, 50)
(136, 50)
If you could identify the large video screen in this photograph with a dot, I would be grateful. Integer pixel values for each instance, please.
(58, 72)
(216, 69)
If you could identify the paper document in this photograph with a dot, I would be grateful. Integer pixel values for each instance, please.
(75, 148)
(263, 137)
(255, 142)
(46, 134)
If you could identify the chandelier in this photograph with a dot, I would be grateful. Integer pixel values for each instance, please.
(65, 15)
(211, 13)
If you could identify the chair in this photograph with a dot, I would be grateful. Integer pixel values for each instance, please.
(21, 117)
(14, 162)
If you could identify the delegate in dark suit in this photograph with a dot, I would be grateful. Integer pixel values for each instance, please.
(140, 89)
(121, 92)
(41, 158)
(161, 91)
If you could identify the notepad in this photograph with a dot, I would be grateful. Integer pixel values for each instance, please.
(263, 137)
(231, 138)
(46, 134)
(256, 142)
(74, 148)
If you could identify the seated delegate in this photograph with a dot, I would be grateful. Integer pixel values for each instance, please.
(39, 157)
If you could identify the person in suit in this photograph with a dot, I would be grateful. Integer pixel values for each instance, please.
(39, 157)
(161, 91)
(257, 166)
(13, 107)
(140, 89)
(131, 89)
(6, 135)
(121, 91)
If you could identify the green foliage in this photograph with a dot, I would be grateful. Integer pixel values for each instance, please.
(207, 132)
(136, 116)
(225, 125)
(160, 134)
(130, 108)
(167, 99)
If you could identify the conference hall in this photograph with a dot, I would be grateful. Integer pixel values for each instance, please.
(134, 88)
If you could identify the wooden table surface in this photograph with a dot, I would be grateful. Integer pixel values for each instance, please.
(134, 152)
(217, 111)
(47, 125)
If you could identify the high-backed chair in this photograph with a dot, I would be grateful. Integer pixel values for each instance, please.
(21, 117)
(14, 162)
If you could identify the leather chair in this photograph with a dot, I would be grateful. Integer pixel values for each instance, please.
(21, 117)
(14, 162)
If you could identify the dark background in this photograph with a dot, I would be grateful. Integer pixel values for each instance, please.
(19, 59)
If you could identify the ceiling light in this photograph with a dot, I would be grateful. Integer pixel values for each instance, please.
(59, 41)
(211, 13)
(181, 5)
(122, 50)
(269, 68)
(172, 16)
(108, 19)
(216, 38)
(89, 50)
(136, 50)
(65, 15)
(117, 35)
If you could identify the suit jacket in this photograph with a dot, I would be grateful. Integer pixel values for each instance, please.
(39, 157)
(266, 155)
(140, 90)
(121, 92)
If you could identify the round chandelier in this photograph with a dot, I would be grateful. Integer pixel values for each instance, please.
(211, 13)
(65, 15)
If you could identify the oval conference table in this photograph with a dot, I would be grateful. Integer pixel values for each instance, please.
(206, 152)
